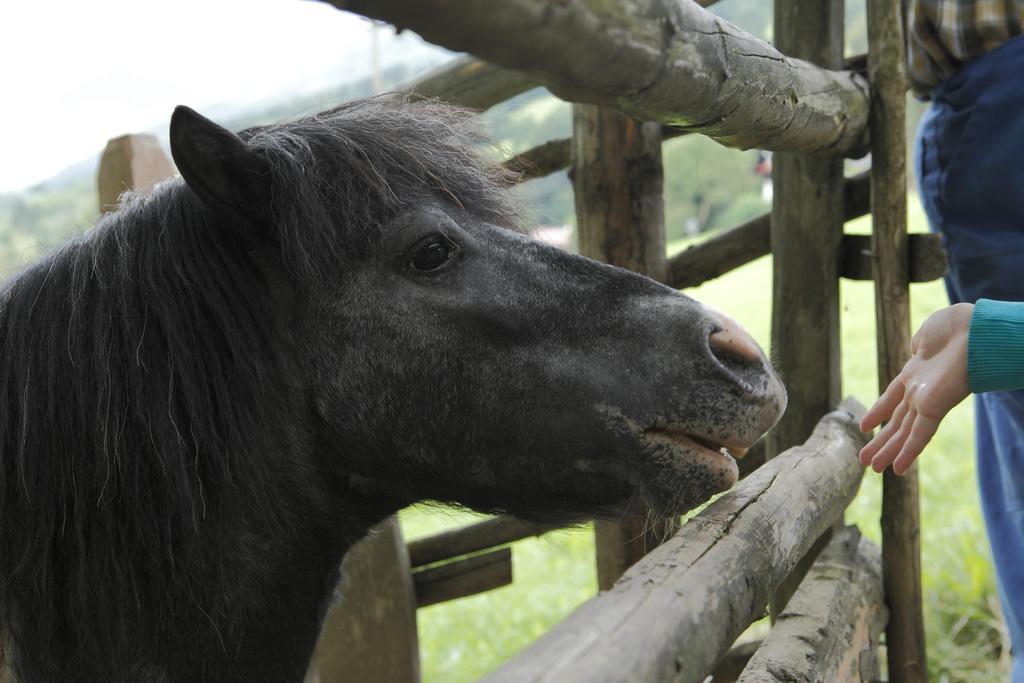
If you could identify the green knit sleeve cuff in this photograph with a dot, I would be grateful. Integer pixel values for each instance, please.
(995, 346)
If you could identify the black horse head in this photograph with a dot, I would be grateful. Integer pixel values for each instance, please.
(215, 392)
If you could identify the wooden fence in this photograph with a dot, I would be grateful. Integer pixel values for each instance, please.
(640, 72)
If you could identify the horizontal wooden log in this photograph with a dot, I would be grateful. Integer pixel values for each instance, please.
(551, 157)
(542, 160)
(721, 253)
(926, 256)
(676, 612)
(669, 61)
(470, 82)
(737, 246)
(473, 538)
(475, 574)
(830, 628)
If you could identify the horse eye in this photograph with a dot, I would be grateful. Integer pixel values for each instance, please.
(432, 253)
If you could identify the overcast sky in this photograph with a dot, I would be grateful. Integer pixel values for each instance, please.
(75, 73)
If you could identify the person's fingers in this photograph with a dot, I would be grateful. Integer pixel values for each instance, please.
(921, 432)
(885, 456)
(896, 422)
(867, 453)
(884, 406)
(869, 450)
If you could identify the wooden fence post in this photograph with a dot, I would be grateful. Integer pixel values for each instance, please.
(620, 215)
(370, 635)
(901, 540)
(806, 233)
(130, 162)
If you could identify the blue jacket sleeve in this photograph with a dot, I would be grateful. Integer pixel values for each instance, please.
(995, 346)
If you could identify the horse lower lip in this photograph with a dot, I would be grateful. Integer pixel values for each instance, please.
(691, 441)
(687, 440)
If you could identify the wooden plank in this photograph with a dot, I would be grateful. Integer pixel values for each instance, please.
(677, 611)
(370, 634)
(669, 61)
(806, 231)
(130, 162)
(831, 627)
(901, 541)
(475, 574)
(473, 538)
(620, 217)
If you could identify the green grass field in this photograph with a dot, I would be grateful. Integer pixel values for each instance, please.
(462, 640)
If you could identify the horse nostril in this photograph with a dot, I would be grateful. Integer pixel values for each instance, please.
(731, 341)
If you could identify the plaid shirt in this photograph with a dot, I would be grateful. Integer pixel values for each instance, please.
(944, 35)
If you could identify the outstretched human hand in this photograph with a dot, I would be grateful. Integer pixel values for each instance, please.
(932, 382)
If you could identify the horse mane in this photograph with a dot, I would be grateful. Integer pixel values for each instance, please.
(140, 367)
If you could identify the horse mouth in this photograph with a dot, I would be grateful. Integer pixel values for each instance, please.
(692, 468)
(734, 450)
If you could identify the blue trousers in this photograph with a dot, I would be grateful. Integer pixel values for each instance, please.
(969, 159)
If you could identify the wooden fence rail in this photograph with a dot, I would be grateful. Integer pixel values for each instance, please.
(671, 62)
(676, 612)
(554, 155)
(732, 248)
(829, 631)
(472, 82)
(473, 538)
(459, 579)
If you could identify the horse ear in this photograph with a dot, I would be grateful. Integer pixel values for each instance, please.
(227, 175)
